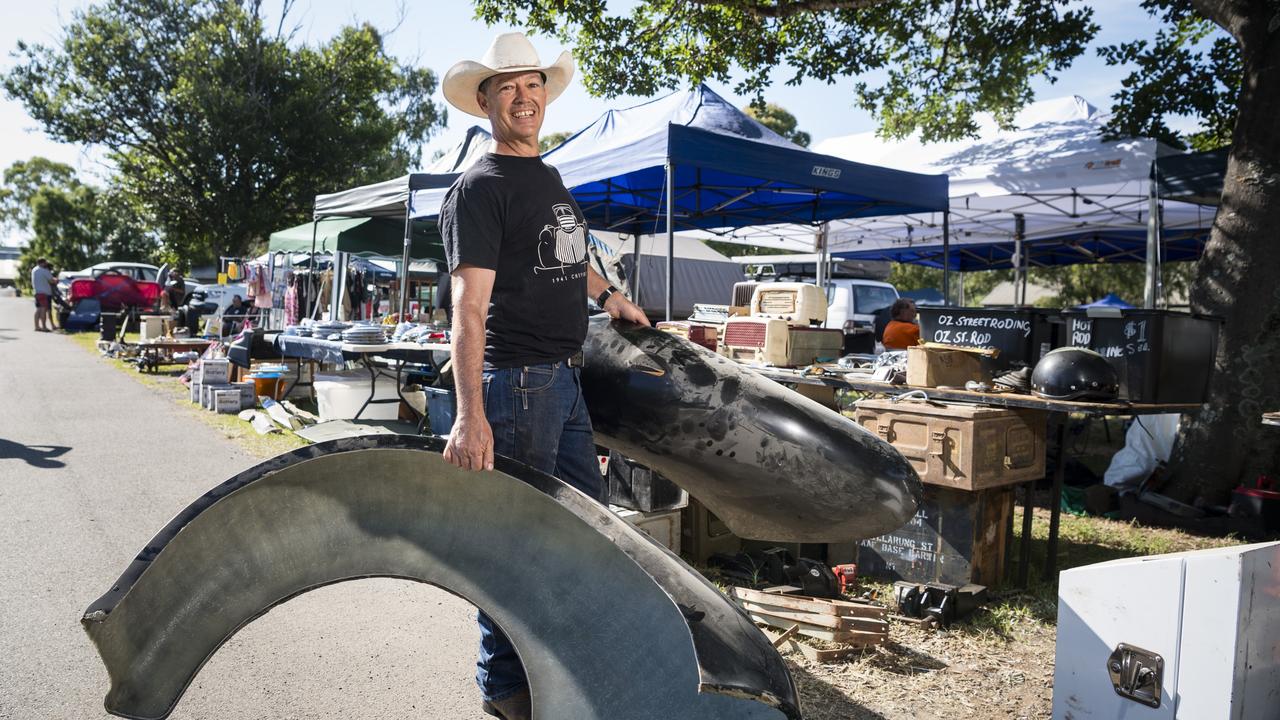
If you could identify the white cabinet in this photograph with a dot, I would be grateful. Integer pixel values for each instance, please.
(1201, 627)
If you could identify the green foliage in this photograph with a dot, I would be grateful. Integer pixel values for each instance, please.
(219, 129)
(551, 140)
(937, 63)
(1192, 68)
(779, 120)
(908, 276)
(1078, 284)
(70, 223)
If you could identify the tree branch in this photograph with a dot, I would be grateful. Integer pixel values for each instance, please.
(790, 8)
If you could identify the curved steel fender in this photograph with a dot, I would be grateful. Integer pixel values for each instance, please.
(772, 464)
(608, 623)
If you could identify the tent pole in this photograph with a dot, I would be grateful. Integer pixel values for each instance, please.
(671, 235)
(1153, 246)
(311, 268)
(404, 265)
(339, 280)
(946, 256)
(1019, 251)
(635, 273)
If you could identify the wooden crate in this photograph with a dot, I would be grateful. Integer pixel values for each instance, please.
(956, 537)
(956, 445)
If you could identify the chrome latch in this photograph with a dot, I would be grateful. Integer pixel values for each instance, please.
(1136, 674)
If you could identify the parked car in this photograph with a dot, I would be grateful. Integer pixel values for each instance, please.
(137, 271)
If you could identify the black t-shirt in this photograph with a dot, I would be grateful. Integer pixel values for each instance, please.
(514, 216)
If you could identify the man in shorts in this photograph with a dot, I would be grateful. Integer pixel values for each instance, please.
(43, 287)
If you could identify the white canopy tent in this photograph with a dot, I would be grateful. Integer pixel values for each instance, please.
(1052, 183)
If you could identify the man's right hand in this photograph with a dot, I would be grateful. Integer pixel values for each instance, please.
(470, 445)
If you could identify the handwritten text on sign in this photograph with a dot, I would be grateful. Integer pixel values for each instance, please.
(977, 330)
(1135, 342)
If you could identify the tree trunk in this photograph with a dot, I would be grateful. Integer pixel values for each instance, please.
(1238, 279)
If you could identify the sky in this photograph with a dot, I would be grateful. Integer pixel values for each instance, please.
(438, 33)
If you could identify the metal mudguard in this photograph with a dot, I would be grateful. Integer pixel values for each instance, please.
(772, 464)
(607, 623)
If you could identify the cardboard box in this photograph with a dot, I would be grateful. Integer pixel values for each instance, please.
(227, 401)
(935, 367)
(214, 371)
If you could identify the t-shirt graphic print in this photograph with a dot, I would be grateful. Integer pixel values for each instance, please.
(562, 246)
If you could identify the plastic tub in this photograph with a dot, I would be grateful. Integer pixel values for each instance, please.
(340, 396)
(1022, 335)
(266, 385)
(1160, 356)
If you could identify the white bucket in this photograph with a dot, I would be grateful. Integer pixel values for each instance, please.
(340, 395)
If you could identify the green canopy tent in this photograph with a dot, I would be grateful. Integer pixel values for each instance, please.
(366, 237)
(361, 236)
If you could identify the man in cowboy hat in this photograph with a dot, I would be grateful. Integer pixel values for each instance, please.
(516, 245)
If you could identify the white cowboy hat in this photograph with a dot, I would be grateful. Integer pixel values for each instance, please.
(510, 52)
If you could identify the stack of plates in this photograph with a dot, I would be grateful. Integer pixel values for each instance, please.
(365, 335)
(329, 330)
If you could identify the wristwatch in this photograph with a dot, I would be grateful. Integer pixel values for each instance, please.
(604, 296)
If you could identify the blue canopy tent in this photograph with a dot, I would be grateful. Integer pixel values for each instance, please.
(1110, 300)
(691, 160)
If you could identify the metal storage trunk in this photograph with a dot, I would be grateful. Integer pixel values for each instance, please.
(663, 526)
(1189, 636)
(1022, 335)
(956, 537)
(1160, 356)
(961, 446)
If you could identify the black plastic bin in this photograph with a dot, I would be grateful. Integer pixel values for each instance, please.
(1161, 356)
(1022, 335)
(634, 486)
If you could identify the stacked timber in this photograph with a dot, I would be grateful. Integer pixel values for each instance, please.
(846, 628)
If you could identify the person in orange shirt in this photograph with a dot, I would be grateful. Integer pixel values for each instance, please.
(902, 332)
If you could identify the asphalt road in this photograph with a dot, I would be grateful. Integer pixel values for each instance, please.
(92, 465)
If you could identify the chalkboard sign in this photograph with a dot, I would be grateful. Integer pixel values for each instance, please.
(1160, 356)
(1022, 335)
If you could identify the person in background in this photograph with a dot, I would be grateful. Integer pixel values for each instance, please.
(902, 331)
(234, 316)
(42, 286)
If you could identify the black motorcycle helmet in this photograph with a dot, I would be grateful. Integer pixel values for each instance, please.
(1073, 373)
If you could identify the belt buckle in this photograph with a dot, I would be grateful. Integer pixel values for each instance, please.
(574, 360)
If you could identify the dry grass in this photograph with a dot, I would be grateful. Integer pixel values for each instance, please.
(998, 663)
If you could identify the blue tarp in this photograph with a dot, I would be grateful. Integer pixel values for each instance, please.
(730, 171)
(1110, 300)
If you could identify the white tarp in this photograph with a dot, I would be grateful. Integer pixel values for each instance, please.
(1054, 169)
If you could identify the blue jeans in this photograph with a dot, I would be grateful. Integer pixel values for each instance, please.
(539, 418)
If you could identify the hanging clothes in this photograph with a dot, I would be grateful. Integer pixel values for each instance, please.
(291, 301)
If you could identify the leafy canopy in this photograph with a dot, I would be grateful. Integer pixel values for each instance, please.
(927, 65)
(222, 130)
(72, 224)
(780, 120)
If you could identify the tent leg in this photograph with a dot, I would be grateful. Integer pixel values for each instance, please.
(1020, 264)
(671, 236)
(404, 267)
(946, 257)
(1153, 248)
(311, 269)
(338, 284)
(635, 274)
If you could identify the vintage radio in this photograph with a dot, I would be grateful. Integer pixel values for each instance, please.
(704, 335)
(808, 345)
(800, 304)
(743, 292)
(756, 339)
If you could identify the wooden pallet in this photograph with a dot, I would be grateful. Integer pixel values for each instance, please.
(855, 626)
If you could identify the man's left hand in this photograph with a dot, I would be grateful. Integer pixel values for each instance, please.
(620, 308)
